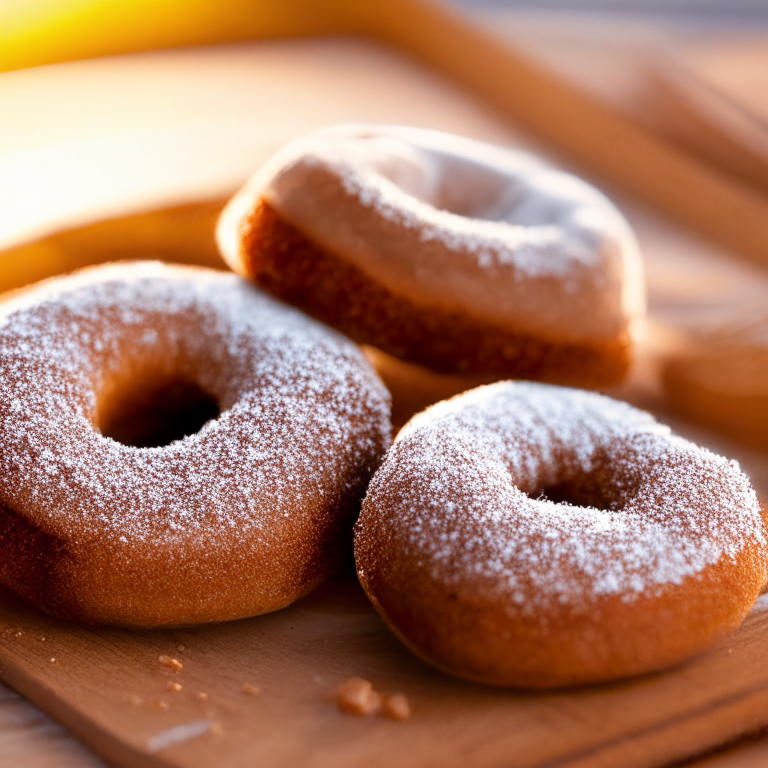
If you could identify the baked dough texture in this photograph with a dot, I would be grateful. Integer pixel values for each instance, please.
(443, 251)
(242, 517)
(536, 536)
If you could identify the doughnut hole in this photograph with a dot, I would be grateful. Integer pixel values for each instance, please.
(604, 488)
(149, 409)
(152, 390)
(576, 495)
(608, 485)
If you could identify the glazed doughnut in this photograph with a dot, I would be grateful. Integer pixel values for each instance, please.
(241, 517)
(535, 536)
(720, 380)
(443, 251)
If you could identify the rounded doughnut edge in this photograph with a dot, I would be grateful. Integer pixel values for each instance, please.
(354, 276)
(460, 627)
(146, 575)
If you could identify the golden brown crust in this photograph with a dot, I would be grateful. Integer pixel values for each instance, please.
(211, 527)
(31, 558)
(470, 638)
(282, 259)
(92, 584)
(467, 550)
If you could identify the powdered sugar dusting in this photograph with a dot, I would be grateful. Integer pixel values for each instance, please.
(303, 417)
(512, 208)
(533, 250)
(465, 478)
(447, 221)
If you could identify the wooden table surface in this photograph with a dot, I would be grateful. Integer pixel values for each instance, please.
(193, 125)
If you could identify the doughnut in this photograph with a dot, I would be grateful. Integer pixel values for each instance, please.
(456, 255)
(113, 510)
(720, 380)
(529, 535)
(413, 387)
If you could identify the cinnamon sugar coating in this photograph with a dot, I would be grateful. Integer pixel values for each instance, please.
(240, 518)
(535, 536)
(446, 252)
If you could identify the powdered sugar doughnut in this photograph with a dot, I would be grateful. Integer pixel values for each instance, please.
(529, 535)
(242, 517)
(446, 252)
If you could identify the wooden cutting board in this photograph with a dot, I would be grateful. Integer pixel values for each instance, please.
(156, 141)
(109, 687)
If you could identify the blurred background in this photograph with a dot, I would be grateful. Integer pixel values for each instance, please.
(694, 72)
(126, 124)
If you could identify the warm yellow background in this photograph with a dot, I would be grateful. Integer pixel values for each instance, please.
(34, 32)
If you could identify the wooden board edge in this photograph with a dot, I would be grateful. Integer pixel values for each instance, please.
(691, 735)
(681, 738)
(113, 750)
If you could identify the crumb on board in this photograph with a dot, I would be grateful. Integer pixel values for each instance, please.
(53, 660)
(173, 686)
(136, 700)
(357, 697)
(181, 648)
(201, 696)
(396, 706)
(251, 689)
(162, 704)
(168, 661)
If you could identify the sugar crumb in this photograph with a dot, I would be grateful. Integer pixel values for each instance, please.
(357, 697)
(168, 661)
(396, 706)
